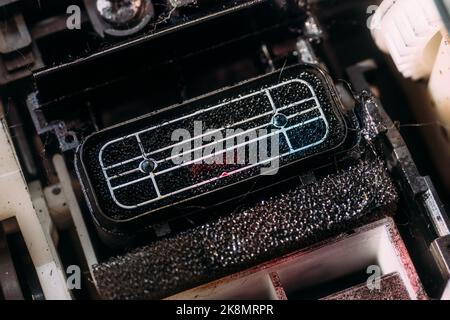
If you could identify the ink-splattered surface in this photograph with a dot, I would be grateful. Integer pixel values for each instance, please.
(112, 159)
(256, 233)
(391, 288)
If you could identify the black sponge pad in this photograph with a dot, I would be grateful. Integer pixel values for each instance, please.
(252, 234)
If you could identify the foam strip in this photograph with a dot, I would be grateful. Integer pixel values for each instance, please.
(255, 233)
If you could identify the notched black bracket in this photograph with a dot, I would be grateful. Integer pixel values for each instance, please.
(68, 140)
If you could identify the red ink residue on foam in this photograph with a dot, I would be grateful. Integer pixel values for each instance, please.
(406, 261)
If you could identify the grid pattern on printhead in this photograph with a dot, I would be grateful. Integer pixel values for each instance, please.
(304, 110)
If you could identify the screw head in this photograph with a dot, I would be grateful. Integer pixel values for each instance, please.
(279, 120)
(148, 166)
(119, 12)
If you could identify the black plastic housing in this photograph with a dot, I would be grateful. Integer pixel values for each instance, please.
(316, 129)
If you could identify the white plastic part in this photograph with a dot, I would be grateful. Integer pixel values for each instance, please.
(57, 206)
(75, 211)
(35, 224)
(446, 293)
(413, 33)
(439, 84)
(409, 30)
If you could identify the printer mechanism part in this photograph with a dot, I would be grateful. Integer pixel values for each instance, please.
(129, 173)
(197, 149)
